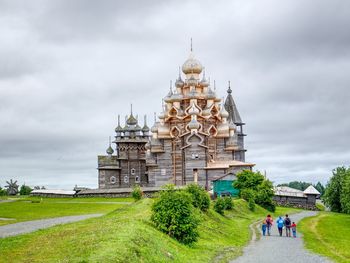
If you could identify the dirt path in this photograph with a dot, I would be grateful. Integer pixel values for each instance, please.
(280, 249)
(30, 226)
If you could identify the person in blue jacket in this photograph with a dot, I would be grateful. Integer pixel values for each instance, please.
(280, 224)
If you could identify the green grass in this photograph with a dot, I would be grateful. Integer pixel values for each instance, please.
(32, 208)
(328, 234)
(127, 235)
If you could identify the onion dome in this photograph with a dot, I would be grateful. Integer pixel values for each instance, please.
(170, 93)
(176, 97)
(145, 128)
(119, 128)
(193, 124)
(155, 127)
(109, 150)
(211, 94)
(192, 65)
(192, 81)
(179, 83)
(193, 110)
(204, 81)
(161, 115)
(138, 127)
(223, 112)
(131, 120)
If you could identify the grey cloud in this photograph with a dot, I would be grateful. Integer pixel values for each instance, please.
(70, 67)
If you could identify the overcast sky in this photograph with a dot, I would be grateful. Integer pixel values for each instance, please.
(68, 68)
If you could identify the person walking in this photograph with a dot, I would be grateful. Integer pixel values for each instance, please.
(280, 224)
(294, 229)
(263, 227)
(287, 224)
(269, 222)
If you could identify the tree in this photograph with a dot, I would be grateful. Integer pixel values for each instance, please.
(12, 187)
(2, 192)
(337, 191)
(220, 205)
(25, 190)
(254, 188)
(345, 195)
(174, 214)
(319, 187)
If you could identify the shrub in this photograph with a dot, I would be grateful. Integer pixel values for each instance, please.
(25, 190)
(228, 203)
(174, 214)
(136, 193)
(251, 204)
(220, 205)
(200, 197)
(247, 194)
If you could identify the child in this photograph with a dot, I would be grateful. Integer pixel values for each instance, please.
(263, 227)
(294, 229)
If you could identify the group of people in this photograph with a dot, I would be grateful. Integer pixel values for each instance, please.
(281, 223)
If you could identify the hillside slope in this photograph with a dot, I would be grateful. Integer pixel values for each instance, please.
(127, 235)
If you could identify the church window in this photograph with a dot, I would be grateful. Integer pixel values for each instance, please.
(113, 179)
(137, 179)
(126, 179)
(133, 171)
(195, 156)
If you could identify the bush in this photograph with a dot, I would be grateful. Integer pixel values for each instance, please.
(174, 214)
(220, 205)
(136, 193)
(228, 203)
(25, 190)
(251, 204)
(200, 197)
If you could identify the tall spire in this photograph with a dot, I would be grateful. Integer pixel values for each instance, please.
(231, 107)
(131, 108)
(118, 119)
(191, 45)
(155, 116)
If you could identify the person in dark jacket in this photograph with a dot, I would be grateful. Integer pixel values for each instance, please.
(287, 224)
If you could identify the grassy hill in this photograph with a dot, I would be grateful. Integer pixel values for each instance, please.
(127, 235)
(32, 208)
(328, 234)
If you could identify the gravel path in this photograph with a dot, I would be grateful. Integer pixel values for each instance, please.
(280, 249)
(30, 226)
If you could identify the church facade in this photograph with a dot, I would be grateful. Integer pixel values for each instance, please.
(197, 138)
